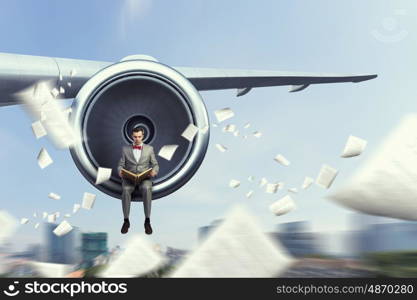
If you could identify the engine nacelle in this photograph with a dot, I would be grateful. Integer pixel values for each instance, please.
(138, 93)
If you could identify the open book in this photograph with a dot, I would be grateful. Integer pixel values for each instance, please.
(135, 178)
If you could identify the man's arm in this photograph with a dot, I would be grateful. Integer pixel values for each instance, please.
(154, 162)
(122, 162)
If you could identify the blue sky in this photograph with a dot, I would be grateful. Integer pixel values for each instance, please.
(309, 128)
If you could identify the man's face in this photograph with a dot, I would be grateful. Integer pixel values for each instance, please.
(137, 137)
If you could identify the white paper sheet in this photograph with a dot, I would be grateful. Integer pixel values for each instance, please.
(221, 148)
(54, 196)
(88, 200)
(308, 181)
(38, 129)
(167, 151)
(103, 174)
(190, 132)
(139, 257)
(354, 147)
(224, 114)
(282, 160)
(385, 184)
(234, 183)
(63, 228)
(76, 208)
(240, 248)
(282, 206)
(44, 159)
(326, 176)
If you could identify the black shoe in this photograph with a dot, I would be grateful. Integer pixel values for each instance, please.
(148, 228)
(125, 227)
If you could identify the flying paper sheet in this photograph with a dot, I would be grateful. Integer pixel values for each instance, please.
(385, 185)
(55, 92)
(271, 188)
(38, 129)
(326, 176)
(24, 220)
(234, 183)
(249, 194)
(282, 160)
(263, 181)
(61, 90)
(214, 125)
(88, 201)
(257, 134)
(51, 218)
(8, 225)
(282, 206)
(307, 182)
(167, 151)
(221, 148)
(50, 270)
(41, 104)
(44, 215)
(293, 190)
(223, 114)
(354, 146)
(247, 125)
(138, 258)
(190, 132)
(76, 208)
(54, 196)
(229, 128)
(67, 216)
(239, 248)
(103, 174)
(44, 159)
(36, 225)
(63, 228)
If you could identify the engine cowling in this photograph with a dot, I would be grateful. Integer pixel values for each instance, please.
(138, 93)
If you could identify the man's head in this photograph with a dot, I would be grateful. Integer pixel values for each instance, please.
(137, 135)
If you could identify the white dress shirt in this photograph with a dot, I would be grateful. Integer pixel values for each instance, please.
(137, 153)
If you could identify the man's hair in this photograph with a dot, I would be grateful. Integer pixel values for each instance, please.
(138, 129)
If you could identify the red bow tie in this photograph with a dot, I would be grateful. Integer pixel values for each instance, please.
(137, 147)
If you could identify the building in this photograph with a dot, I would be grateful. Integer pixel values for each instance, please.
(296, 238)
(62, 249)
(93, 244)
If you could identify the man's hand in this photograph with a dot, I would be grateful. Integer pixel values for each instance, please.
(152, 173)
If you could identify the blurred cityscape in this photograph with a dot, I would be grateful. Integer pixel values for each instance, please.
(371, 250)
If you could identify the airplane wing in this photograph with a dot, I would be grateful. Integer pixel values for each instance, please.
(17, 72)
(243, 80)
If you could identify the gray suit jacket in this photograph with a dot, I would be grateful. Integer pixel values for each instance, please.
(147, 160)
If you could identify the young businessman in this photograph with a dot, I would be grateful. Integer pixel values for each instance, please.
(137, 158)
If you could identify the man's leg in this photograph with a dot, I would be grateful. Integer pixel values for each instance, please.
(146, 189)
(127, 190)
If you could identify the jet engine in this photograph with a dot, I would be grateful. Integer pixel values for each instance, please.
(145, 94)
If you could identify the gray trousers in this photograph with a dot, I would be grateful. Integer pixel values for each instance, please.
(145, 187)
